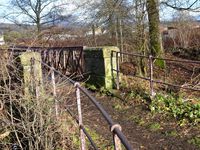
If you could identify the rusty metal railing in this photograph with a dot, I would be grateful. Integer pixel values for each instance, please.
(118, 136)
(151, 70)
(68, 60)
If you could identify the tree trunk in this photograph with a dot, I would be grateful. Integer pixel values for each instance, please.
(38, 29)
(141, 38)
(154, 31)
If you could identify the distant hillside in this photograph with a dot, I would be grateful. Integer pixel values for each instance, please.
(6, 27)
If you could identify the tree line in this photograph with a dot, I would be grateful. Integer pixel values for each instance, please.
(134, 21)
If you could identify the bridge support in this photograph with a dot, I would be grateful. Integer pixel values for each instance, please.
(100, 63)
(32, 73)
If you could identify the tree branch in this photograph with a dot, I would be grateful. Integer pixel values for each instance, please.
(189, 8)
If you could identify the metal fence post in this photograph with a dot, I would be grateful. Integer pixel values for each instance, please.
(117, 68)
(151, 75)
(54, 91)
(80, 120)
(117, 141)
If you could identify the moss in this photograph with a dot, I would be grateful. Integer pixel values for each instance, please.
(154, 33)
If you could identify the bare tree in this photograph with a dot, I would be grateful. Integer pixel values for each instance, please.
(141, 40)
(38, 12)
(192, 5)
(29, 122)
(111, 15)
(184, 26)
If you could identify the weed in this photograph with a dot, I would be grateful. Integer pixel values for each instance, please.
(154, 126)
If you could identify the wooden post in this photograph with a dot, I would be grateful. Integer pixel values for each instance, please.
(82, 135)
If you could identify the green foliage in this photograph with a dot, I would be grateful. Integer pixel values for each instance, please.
(195, 141)
(183, 111)
(160, 63)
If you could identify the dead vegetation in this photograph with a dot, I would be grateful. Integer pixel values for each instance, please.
(30, 122)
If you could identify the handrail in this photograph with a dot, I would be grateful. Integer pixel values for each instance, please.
(132, 54)
(108, 119)
(165, 83)
(150, 78)
(178, 60)
(106, 116)
(167, 59)
(48, 48)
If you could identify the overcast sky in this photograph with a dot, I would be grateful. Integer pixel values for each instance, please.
(165, 13)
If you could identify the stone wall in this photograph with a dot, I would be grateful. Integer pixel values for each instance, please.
(99, 62)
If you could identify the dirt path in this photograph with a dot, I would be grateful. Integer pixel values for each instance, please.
(139, 133)
(137, 124)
